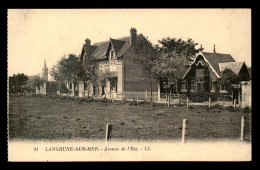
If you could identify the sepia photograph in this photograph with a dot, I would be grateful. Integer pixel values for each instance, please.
(129, 85)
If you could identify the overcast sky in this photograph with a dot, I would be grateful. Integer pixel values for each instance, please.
(38, 34)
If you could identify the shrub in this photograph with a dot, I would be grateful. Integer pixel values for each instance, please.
(246, 110)
(204, 96)
(199, 96)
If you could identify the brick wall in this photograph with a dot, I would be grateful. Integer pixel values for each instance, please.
(134, 77)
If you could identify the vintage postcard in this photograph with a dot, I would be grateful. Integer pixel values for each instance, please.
(129, 85)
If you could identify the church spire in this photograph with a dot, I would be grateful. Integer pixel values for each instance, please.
(45, 72)
(45, 64)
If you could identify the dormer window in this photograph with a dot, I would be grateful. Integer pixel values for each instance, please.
(112, 55)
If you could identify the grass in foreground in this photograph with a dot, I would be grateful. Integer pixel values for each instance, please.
(58, 119)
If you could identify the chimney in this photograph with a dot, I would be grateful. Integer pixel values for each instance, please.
(214, 50)
(201, 47)
(133, 35)
(87, 42)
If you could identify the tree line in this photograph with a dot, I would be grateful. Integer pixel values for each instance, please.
(169, 58)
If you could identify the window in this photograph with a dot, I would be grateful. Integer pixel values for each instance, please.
(70, 85)
(113, 85)
(199, 86)
(94, 90)
(213, 86)
(112, 55)
(85, 86)
(222, 87)
(199, 74)
(191, 85)
(184, 85)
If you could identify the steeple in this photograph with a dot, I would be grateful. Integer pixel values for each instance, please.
(214, 50)
(45, 64)
(45, 71)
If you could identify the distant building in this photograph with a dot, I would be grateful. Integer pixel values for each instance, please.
(44, 75)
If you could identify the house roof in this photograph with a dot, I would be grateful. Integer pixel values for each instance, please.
(99, 50)
(214, 59)
(90, 49)
(234, 66)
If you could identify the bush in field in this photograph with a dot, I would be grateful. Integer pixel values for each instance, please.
(204, 96)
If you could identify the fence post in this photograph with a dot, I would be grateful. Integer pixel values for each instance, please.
(168, 101)
(242, 127)
(250, 128)
(145, 95)
(183, 131)
(187, 102)
(209, 102)
(170, 98)
(108, 132)
(235, 103)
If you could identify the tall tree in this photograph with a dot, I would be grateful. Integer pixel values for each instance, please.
(66, 70)
(18, 82)
(146, 56)
(174, 56)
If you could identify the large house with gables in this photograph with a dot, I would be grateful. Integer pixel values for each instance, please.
(204, 74)
(125, 76)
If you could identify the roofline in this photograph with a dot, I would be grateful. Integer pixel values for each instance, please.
(200, 53)
(243, 63)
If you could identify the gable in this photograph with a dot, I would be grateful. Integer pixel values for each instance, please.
(244, 74)
(117, 45)
(213, 59)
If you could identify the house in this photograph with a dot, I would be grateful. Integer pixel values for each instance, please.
(205, 72)
(115, 58)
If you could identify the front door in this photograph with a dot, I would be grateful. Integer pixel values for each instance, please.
(236, 95)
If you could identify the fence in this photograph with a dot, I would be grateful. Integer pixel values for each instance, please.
(183, 130)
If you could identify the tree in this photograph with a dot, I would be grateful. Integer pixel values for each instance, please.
(17, 83)
(66, 70)
(37, 81)
(146, 56)
(174, 56)
(228, 77)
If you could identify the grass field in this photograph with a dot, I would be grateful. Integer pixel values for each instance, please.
(38, 118)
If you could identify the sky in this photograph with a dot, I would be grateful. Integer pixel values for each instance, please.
(38, 34)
